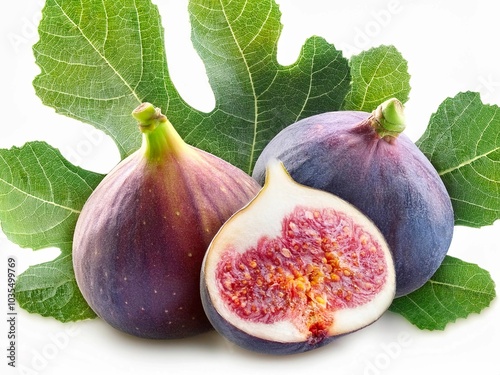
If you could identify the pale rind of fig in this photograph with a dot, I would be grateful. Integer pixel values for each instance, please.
(140, 238)
(294, 269)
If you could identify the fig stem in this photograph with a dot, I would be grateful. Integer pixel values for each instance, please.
(146, 114)
(158, 134)
(388, 119)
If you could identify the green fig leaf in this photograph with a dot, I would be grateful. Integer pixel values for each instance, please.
(456, 290)
(41, 195)
(97, 67)
(463, 143)
(50, 289)
(378, 74)
(255, 96)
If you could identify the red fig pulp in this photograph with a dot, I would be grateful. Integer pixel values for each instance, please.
(141, 236)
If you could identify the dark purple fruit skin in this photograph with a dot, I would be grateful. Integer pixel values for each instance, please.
(393, 183)
(137, 256)
(249, 342)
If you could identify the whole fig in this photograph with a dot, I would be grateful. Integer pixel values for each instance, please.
(141, 236)
(294, 269)
(365, 159)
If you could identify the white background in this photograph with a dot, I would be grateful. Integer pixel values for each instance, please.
(450, 46)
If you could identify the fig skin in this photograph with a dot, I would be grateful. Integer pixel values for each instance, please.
(141, 236)
(379, 170)
(320, 245)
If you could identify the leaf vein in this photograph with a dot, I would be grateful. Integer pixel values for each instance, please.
(468, 162)
(101, 55)
(252, 85)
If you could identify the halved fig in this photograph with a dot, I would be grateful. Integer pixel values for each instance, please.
(295, 268)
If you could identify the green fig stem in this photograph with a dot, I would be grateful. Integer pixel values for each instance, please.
(388, 119)
(158, 134)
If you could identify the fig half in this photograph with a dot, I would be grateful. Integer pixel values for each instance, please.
(140, 239)
(294, 269)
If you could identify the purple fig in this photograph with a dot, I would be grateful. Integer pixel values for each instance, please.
(141, 236)
(294, 269)
(365, 159)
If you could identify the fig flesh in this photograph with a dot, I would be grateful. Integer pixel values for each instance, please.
(140, 239)
(366, 160)
(294, 269)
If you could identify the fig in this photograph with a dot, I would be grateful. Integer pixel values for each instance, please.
(365, 159)
(140, 238)
(294, 269)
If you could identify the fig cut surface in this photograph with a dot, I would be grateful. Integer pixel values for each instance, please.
(295, 268)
